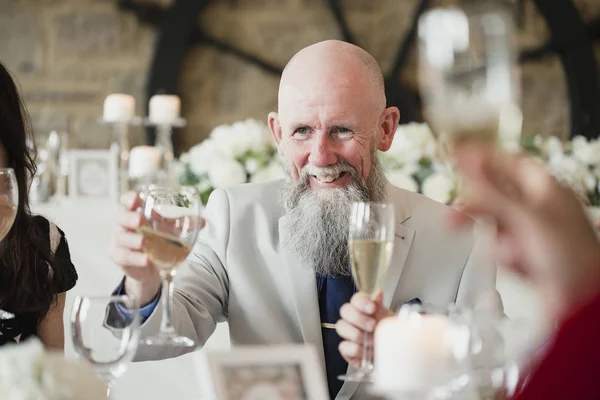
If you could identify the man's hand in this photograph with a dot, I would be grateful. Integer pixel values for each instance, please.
(360, 315)
(126, 250)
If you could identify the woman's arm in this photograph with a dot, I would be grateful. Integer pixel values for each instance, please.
(51, 329)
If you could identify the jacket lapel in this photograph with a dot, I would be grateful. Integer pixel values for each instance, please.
(303, 284)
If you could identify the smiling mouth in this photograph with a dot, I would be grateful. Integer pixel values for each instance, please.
(329, 178)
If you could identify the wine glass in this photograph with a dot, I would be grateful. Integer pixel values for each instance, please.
(170, 228)
(468, 75)
(500, 351)
(9, 203)
(423, 353)
(371, 242)
(106, 334)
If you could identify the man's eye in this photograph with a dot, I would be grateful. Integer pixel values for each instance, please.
(302, 130)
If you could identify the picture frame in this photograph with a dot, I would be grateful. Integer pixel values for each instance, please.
(290, 372)
(93, 174)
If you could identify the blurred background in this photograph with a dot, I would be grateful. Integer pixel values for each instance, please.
(69, 54)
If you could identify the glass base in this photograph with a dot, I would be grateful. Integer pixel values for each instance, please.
(172, 340)
(362, 376)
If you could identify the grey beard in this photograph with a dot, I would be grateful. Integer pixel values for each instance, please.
(318, 220)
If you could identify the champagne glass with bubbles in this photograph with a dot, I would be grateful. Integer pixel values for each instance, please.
(171, 225)
(371, 243)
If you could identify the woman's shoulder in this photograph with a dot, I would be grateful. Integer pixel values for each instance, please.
(56, 243)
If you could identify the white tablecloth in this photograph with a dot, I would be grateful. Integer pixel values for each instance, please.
(88, 225)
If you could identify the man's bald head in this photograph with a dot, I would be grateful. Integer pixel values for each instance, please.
(333, 62)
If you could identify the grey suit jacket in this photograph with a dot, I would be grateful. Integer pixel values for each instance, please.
(240, 272)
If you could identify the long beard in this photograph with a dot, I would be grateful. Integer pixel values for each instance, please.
(319, 219)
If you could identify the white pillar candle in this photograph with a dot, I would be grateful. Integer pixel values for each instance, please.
(143, 161)
(118, 107)
(416, 354)
(164, 109)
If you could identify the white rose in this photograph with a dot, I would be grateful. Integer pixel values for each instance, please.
(224, 172)
(258, 136)
(589, 153)
(578, 142)
(402, 180)
(227, 142)
(200, 156)
(273, 171)
(439, 186)
(553, 147)
(412, 142)
(252, 165)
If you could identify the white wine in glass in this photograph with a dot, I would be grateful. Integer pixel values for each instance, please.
(371, 243)
(370, 260)
(171, 225)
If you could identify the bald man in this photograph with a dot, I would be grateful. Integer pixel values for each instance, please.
(273, 258)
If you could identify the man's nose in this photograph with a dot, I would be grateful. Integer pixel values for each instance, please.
(323, 152)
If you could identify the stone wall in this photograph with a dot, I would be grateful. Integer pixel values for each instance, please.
(69, 54)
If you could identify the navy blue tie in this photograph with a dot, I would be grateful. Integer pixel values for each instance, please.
(333, 293)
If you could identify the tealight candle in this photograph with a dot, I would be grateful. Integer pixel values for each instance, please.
(118, 107)
(143, 161)
(164, 109)
(415, 354)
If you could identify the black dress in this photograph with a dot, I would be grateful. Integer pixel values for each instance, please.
(25, 324)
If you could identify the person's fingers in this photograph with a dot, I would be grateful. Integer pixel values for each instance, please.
(129, 220)
(351, 352)
(347, 331)
(363, 303)
(355, 317)
(126, 258)
(130, 200)
(128, 240)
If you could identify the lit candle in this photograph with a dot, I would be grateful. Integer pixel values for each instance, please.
(164, 109)
(119, 107)
(416, 354)
(143, 161)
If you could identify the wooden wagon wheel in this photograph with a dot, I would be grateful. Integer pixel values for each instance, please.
(570, 38)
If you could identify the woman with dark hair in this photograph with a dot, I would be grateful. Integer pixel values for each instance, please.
(35, 265)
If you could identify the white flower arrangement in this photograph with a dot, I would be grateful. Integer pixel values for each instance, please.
(575, 163)
(413, 163)
(232, 154)
(27, 372)
(245, 152)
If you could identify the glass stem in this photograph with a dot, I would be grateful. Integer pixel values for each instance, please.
(166, 325)
(365, 365)
(110, 389)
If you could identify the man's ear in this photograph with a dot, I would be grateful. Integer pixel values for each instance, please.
(275, 129)
(388, 123)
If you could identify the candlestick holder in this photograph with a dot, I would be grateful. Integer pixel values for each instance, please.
(121, 146)
(164, 144)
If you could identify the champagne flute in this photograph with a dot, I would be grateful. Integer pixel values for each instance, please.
(9, 204)
(371, 242)
(108, 346)
(170, 228)
(468, 75)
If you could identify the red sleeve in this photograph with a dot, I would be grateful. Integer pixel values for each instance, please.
(571, 367)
